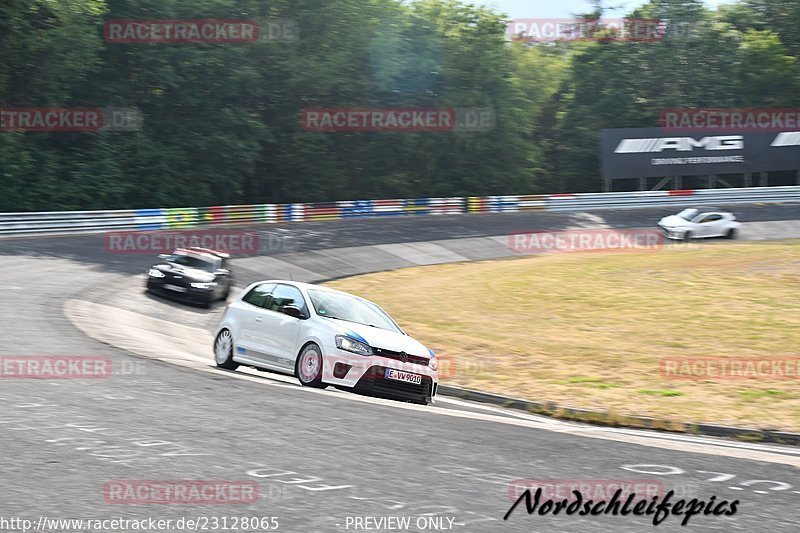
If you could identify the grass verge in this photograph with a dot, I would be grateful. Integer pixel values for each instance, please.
(590, 330)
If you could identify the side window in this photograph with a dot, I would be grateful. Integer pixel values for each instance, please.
(259, 295)
(286, 295)
(711, 218)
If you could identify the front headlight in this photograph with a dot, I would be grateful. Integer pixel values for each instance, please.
(202, 285)
(351, 345)
(433, 364)
(155, 273)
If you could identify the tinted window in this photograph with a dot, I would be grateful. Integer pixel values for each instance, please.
(286, 295)
(351, 308)
(259, 295)
(711, 218)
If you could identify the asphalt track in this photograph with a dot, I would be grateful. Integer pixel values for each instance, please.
(321, 458)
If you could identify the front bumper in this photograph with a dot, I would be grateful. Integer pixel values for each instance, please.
(367, 375)
(188, 294)
(675, 234)
(375, 383)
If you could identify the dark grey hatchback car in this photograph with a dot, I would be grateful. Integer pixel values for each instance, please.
(195, 275)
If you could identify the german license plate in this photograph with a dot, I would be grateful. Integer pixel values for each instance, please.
(174, 288)
(399, 375)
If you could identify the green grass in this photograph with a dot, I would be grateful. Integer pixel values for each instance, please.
(768, 393)
(583, 380)
(660, 392)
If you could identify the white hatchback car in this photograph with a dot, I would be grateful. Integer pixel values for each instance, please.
(324, 337)
(696, 224)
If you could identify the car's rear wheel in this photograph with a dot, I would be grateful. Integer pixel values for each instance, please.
(308, 367)
(223, 351)
(731, 234)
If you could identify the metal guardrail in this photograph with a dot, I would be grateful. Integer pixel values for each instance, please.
(643, 199)
(68, 222)
(76, 222)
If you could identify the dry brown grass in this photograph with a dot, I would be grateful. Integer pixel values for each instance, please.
(589, 329)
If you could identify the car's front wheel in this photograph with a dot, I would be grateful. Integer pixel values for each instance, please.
(687, 237)
(223, 351)
(308, 367)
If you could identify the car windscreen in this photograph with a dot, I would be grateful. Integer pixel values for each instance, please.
(191, 261)
(688, 214)
(350, 308)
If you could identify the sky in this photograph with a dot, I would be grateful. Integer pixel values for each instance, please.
(565, 8)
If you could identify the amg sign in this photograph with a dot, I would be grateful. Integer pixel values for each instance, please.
(681, 144)
(652, 152)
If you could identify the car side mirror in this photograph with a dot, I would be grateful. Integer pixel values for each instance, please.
(163, 256)
(222, 272)
(293, 311)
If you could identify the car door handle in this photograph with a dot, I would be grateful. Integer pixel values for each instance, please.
(258, 319)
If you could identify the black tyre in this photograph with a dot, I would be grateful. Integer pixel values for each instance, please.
(687, 237)
(223, 351)
(309, 365)
(731, 234)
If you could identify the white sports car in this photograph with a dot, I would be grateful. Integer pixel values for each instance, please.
(324, 337)
(696, 224)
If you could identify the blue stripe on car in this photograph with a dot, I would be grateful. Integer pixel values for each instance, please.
(357, 337)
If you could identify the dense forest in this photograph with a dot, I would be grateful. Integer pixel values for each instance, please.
(221, 121)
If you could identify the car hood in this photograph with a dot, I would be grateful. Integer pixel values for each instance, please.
(193, 273)
(674, 220)
(382, 338)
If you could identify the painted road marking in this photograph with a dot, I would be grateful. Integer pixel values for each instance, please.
(668, 470)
